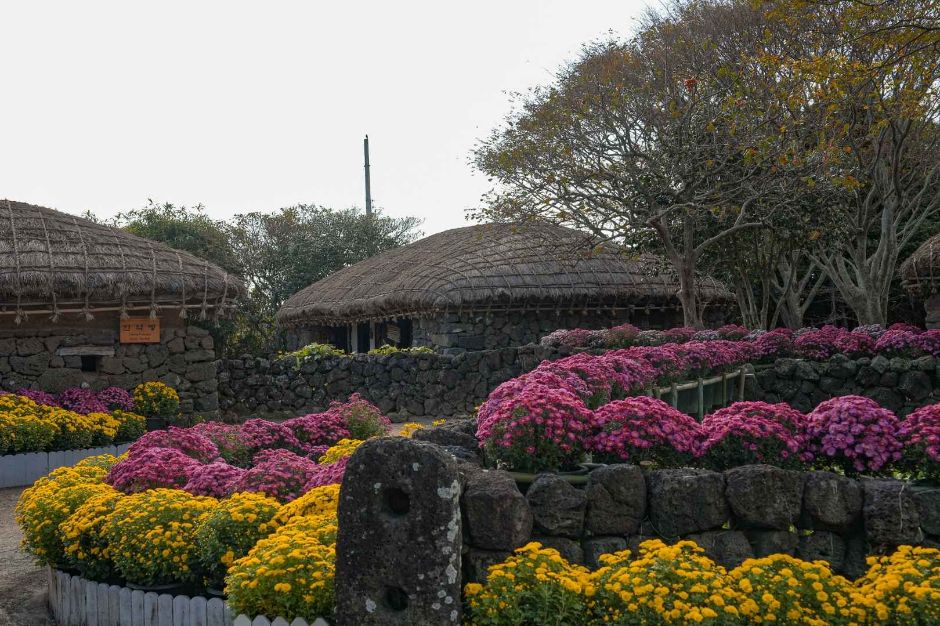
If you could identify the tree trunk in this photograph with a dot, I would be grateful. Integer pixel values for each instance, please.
(688, 296)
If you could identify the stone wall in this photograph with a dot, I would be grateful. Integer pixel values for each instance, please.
(455, 332)
(748, 511)
(400, 384)
(899, 384)
(41, 355)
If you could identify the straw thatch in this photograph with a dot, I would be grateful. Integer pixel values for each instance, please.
(58, 263)
(490, 267)
(920, 273)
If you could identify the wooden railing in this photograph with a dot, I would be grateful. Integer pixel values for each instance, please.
(703, 397)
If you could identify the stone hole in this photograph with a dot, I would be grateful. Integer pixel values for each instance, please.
(396, 598)
(397, 502)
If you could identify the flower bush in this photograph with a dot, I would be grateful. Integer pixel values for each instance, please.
(542, 427)
(674, 584)
(25, 433)
(362, 418)
(81, 401)
(228, 440)
(116, 398)
(643, 429)
(319, 502)
(84, 545)
(317, 429)
(289, 574)
(187, 440)
(343, 448)
(786, 590)
(534, 586)
(259, 434)
(34, 421)
(156, 399)
(904, 587)
(280, 474)
(45, 508)
(919, 434)
(754, 432)
(217, 479)
(230, 531)
(152, 536)
(899, 342)
(853, 433)
(152, 468)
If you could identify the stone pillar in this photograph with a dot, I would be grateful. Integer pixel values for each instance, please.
(398, 548)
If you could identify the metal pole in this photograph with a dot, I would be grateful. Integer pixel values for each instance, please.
(365, 151)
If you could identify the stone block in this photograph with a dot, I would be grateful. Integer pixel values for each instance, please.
(763, 496)
(569, 549)
(496, 514)
(557, 507)
(927, 500)
(890, 513)
(830, 501)
(616, 497)
(728, 548)
(685, 501)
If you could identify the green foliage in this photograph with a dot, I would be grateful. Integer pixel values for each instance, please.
(315, 350)
(390, 349)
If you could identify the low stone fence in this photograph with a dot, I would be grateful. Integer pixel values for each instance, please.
(899, 384)
(419, 519)
(399, 384)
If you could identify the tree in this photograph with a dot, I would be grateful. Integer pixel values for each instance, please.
(184, 229)
(867, 82)
(284, 251)
(671, 132)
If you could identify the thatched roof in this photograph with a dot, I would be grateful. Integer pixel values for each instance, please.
(920, 273)
(59, 263)
(490, 267)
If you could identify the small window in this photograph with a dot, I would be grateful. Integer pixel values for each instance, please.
(90, 362)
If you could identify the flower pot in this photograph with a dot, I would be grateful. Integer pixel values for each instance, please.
(172, 588)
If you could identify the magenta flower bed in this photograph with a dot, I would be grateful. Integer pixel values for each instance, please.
(216, 459)
(644, 429)
(920, 435)
(854, 433)
(754, 432)
(83, 400)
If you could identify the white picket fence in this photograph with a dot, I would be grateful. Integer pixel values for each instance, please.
(75, 601)
(22, 470)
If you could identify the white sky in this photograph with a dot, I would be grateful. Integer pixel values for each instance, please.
(248, 106)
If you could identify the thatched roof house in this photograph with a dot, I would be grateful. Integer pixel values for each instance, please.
(83, 303)
(52, 262)
(531, 271)
(920, 276)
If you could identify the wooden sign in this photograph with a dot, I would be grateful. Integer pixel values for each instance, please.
(140, 330)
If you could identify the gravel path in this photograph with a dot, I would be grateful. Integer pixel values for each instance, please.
(22, 583)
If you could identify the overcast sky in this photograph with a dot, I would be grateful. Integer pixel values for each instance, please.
(245, 106)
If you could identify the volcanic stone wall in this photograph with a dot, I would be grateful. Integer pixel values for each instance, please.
(47, 356)
(749, 511)
(899, 384)
(400, 384)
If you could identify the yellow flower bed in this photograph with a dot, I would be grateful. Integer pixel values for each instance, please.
(288, 574)
(151, 535)
(231, 530)
(677, 584)
(26, 426)
(85, 546)
(315, 503)
(340, 450)
(156, 399)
